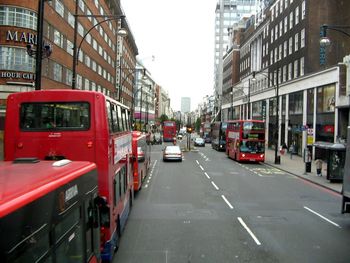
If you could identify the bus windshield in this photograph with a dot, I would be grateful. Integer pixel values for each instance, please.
(55, 116)
(252, 147)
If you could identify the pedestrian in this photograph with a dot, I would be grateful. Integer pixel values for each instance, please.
(291, 150)
(318, 163)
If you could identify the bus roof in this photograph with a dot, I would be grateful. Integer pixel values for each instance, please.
(22, 183)
(65, 94)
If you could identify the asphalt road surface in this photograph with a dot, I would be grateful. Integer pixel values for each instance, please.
(209, 208)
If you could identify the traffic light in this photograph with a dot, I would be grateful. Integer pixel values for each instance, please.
(189, 129)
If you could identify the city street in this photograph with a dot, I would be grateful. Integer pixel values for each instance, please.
(211, 209)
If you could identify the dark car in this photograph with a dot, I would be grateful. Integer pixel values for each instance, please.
(207, 140)
(199, 142)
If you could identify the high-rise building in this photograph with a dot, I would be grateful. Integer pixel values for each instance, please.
(228, 12)
(185, 104)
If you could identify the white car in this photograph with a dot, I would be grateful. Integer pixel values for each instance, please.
(172, 153)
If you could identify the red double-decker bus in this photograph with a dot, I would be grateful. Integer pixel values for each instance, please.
(141, 158)
(80, 126)
(245, 140)
(49, 211)
(169, 131)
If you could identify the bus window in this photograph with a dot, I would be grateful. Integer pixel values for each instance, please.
(32, 247)
(125, 119)
(71, 247)
(56, 115)
(109, 116)
(115, 122)
(67, 223)
(120, 119)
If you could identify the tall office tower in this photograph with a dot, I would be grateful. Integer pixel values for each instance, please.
(185, 104)
(228, 12)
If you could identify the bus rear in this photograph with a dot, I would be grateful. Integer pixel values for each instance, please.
(80, 126)
(169, 131)
(246, 140)
(49, 212)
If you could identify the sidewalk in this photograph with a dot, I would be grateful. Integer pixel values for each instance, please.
(296, 166)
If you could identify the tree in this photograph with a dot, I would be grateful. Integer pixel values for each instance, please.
(163, 118)
(198, 124)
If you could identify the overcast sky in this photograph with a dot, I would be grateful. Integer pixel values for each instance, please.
(180, 36)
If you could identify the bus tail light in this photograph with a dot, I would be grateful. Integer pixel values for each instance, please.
(243, 155)
(89, 144)
(261, 156)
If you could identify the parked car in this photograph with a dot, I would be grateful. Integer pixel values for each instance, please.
(172, 153)
(179, 137)
(199, 142)
(157, 138)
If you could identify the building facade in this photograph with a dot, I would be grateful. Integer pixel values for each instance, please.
(298, 87)
(185, 104)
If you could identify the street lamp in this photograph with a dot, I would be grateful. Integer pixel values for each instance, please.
(231, 95)
(324, 40)
(277, 158)
(121, 32)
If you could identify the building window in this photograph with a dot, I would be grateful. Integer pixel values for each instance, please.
(285, 50)
(291, 20)
(302, 66)
(281, 28)
(79, 81)
(297, 15)
(16, 59)
(71, 19)
(296, 42)
(87, 85)
(290, 49)
(303, 10)
(69, 75)
(80, 30)
(284, 73)
(302, 38)
(326, 99)
(286, 24)
(272, 31)
(19, 17)
(276, 32)
(59, 7)
(296, 62)
(290, 66)
(58, 38)
(70, 47)
(57, 72)
(87, 61)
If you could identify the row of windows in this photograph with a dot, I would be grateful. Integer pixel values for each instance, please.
(18, 17)
(60, 40)
(285, 73)
(60, 9)
(118, 118)
(281, 5)
(16, 59)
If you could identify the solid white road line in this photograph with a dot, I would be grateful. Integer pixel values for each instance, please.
(207, 175)
(324, 218)
(249, 231)
(216, 187)
(197, 162)
(227, 202)
(200, 166)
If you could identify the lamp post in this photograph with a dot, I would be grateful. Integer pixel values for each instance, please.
(42, 51)
(121, 32)
(277, 158)
(231, 95)
(325, 41)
